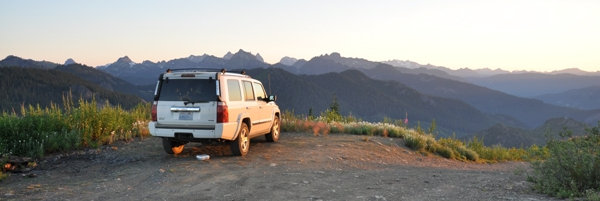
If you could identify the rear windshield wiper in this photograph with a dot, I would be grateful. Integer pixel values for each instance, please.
(188, 101)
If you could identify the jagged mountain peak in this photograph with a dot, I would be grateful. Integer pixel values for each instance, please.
(258, 57)
(124, 59)
(228, 55)
(241, 54)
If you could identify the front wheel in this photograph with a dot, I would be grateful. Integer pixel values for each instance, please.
(241, 144)
(172, 146)
(273, 136)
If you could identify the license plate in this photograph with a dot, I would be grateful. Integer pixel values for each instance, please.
(186, 116)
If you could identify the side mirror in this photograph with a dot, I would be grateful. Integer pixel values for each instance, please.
(272, 98)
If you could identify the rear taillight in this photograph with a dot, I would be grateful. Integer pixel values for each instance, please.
(154, 111)
(222, 113)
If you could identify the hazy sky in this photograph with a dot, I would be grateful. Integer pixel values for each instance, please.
(539, 35)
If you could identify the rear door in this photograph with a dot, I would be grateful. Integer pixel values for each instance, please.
(251, 107)
(187, 103)
(265, 110)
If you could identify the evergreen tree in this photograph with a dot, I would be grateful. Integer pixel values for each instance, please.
(432, 127)
(335, 106)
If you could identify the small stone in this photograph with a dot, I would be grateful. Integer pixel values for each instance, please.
(305, 182)
(273, 164)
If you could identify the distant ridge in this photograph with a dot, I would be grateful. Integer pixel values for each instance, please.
(33, 86)
(14, 61)
(428, 80)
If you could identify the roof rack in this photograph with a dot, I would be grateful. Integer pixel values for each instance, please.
(196, 69)
(243, 72)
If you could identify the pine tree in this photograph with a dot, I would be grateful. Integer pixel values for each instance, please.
(335, 106)
(432, 127)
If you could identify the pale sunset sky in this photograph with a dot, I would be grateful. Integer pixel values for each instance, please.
(540, 35)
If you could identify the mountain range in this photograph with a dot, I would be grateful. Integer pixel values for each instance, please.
(147, 72)
(516, 111)
(366, 89)
(527, 84)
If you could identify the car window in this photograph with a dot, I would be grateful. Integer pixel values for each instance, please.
(234, 90)
(196, 90)
(248, 91)
(259, 91)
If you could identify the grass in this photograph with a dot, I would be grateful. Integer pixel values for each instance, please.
(416, 139)
(35, 131)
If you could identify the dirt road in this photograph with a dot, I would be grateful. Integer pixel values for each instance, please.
(299, 167)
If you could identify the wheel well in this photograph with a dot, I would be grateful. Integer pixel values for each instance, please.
(247, 121)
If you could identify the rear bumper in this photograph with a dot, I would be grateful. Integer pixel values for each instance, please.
(221, 131)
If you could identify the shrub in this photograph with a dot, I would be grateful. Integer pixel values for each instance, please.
(415, 142)
(572, 168)
(496, 153)
(445, 152)
(459, 149)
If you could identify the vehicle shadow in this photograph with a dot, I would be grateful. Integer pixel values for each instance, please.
(219, 150)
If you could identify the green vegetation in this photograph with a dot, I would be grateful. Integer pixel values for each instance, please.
(572, 168)
(36, 131)
(416, 139)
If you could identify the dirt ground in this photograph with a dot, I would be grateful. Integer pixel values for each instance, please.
(299, 167)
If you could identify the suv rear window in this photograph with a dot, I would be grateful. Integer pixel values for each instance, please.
(195, 90)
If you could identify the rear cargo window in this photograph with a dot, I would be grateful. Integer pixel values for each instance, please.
(234, 90)
(195, 90)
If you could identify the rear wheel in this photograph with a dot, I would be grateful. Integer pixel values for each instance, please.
(172, 146)
(241, 144)
(273, 136)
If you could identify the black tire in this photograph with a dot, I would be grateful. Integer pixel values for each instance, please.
(273, 136)
(171, 146)
(241, 144)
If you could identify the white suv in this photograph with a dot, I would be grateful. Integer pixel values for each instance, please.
(194, 105)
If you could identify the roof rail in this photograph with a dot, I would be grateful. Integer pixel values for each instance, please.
(197, 70)
(241, 72)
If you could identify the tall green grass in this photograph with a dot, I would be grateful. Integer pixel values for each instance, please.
(416, 139)
(35, 131)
